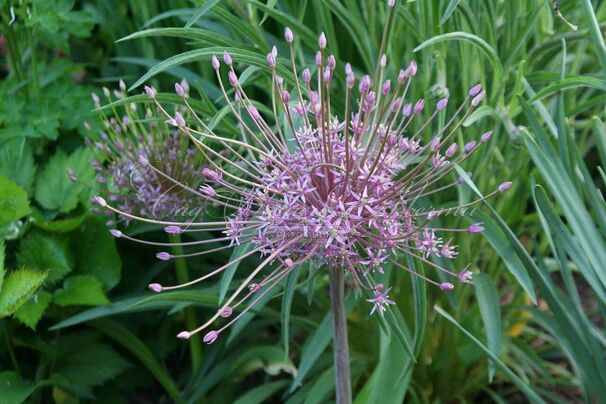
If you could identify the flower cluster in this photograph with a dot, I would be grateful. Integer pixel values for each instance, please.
(144, 167)
(336, 191)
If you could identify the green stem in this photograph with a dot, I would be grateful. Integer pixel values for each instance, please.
(191, 322)
(34, 61)
(340, 342)
(596, 33)
(14, 60)
(11, 352)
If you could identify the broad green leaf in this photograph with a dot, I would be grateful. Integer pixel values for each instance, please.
(2, 269)
(54, 188)
(17, 163)
(199, 34)
(46, 252)
(96, 252)
(228, 274)
(289, 293)
(81, 290)
(90, 364)
(488, 300)
(18, 286)
(524, 388)
(13, 390)
(32, 310)
(13, 202)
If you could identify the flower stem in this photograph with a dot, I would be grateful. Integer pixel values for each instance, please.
(191, 322)
(340, 343)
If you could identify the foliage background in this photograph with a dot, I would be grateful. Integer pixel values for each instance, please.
(78, 323)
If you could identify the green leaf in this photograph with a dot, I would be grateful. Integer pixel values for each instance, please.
(90, 364)
(46, 252)
(13, 202)
(81, 290)
(488, 300)
(569, 83)
(228, 274)
(18, 286)
(13, 390)
(54, 189)
(200, 11)
(2, 269)
(262, 393)
(289, 293)
(135, 346)
(524, 388)
(449, 10)
(96, 252)
(32, 310)
(17, 162)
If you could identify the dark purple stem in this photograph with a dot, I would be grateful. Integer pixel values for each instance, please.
(339, 330)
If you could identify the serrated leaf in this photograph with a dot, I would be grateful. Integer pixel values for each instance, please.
(81, 290)
(54, 189)
(13, 201)
(45, 252)
(13, 390)
(18, 286)
(96, 252)
(17, 162)
(32, 310)
(90, 364)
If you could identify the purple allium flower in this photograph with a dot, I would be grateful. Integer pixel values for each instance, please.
(147, 169)
(334, 191)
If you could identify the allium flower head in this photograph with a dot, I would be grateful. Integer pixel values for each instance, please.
(334, 188)
(146, 167)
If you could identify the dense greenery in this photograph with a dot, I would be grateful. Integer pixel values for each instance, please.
(78, 323)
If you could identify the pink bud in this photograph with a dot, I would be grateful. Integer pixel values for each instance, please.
(486, 137)
(419, 106)
(470, 146)
(386, 87)
(401, 76)
(348, 69)
(288, 262)
(326, 75)
(306, 75)
(465, 276)
(350, 80)
(435, 144)
(122, 85)
(288, 35)
(441, 105)
(100, 201)
(150, 92)
(475, 228)
(285, 97)
(383, 60)
(411, 70)
(227, 58)
(271, 60)
(207, 190)
(475, 90)
(155, 287)
(173, 230)
(478, 99)
(446, 286)
(226, 312)
(253, 112)
(210, 337)
(322, 41)
(318, 58)
(179, 119)
(215, 62)
(163, 256)
(233, 79)
(406, 110)
(504, 186)
(365, 83)
(116, 233)
(254, 287)
(452, 149)
(183, 335)
(331, 62)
